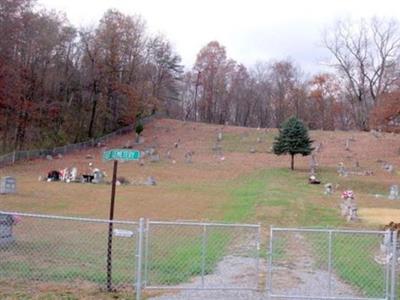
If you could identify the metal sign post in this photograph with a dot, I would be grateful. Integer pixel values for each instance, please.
(115, 155)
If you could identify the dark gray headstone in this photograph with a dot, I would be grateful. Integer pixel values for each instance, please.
(6, 234)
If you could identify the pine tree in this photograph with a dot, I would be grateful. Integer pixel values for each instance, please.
(293, 139)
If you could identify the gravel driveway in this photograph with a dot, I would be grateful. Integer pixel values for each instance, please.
(296, 276)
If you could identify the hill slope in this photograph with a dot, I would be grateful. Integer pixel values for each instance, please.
(234, 185)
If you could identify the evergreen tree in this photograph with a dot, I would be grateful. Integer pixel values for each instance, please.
(293, 139)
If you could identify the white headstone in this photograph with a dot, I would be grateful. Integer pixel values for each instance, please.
(150, 181)
(98, 176)
(219, 137)
(328, 189)
(8, 185)
(394, 192)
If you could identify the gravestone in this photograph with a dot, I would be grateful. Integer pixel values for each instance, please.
(394, 192)
(8, 185)
(6, 234)
(150, 181)
(328, 189)
(154, 158)
(388, 167)
(318, 147)
(73, 175)
(188, 157)
(349, 210)
(98, 176)
(342, 170)
(219, 137)
(313, 164)
(347, 147)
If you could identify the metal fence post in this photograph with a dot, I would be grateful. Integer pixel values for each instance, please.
(13, 157)
(139, 260)
(258, 239)
(329, 262)
(269, 277)
(146, 251)
(203, 255)
(394, 263)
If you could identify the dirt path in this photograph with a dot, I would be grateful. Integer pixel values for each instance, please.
(231, 272)
(296, 275)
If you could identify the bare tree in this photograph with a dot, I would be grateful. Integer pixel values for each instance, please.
(365, 54)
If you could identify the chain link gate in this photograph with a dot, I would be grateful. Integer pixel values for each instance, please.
(201, 256)
(332, 264)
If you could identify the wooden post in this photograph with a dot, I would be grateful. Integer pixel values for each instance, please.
(110, 228)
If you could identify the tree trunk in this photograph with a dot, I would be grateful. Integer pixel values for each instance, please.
(93, 113)
(292, 162)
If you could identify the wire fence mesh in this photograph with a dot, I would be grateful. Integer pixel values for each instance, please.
(330, 264)
(199, 260)
(66, 250)
(201, 256)
(11, 158)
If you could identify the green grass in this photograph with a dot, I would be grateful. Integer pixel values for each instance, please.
(290, 192)
(173, 261)
(59, 257)
(272, 196)
(352, 260)
(279, 188)
(243, 142)
(355, 183)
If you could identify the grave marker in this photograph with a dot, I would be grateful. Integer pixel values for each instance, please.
(8, 185)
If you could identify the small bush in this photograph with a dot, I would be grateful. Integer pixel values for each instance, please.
(139, 128)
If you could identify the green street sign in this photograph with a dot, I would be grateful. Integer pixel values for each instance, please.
(121, 154)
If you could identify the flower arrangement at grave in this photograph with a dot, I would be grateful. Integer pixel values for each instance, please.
(347, 195)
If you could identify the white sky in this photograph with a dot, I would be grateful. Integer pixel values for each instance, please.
(251, 30)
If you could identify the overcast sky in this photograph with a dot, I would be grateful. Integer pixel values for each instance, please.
(251, 30)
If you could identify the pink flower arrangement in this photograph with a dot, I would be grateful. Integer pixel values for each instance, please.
(348, 195)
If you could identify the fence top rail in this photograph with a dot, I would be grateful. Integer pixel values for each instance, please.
(189, 223)
(320, 298)
(327, 230)
(65, 218)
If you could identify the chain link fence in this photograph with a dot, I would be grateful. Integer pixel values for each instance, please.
(198, 260)
(53, 249)
(15, 156)
(331, 264)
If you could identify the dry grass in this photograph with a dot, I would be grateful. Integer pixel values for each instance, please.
(205, 189)
(379, 216)
(192, 191)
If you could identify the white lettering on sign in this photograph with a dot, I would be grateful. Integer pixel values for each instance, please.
(123, 233)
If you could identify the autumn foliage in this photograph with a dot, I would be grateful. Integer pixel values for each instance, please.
(386, 115)
(61, 84)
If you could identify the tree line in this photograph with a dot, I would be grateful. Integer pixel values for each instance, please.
(362, 90)
(62, 84)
